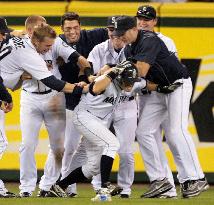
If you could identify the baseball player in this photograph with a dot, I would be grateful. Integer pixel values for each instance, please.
(20, 55)
(171, 99)
(6, 105)
(158, 168)
(111, 52)
(52, 113)
(83, 41)
(90, 118)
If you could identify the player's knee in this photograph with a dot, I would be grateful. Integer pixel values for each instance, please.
(58, 153)
(126, 159)
(115, 144)
(29, 147)
(90, 170)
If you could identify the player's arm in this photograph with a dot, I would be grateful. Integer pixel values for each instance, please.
(5, 98)
(61, 86)
(4, 94)
(103, 81)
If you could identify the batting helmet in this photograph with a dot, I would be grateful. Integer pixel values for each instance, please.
(129, 75)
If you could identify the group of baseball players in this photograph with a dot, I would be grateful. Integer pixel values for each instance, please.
(81, 83)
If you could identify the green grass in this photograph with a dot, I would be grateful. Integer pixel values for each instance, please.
(85, 192)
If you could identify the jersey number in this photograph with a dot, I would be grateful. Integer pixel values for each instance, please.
(4, 52)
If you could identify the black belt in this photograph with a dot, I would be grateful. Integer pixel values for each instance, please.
(40, 93)
(131, 98)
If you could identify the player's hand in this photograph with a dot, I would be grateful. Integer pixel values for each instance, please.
(81, 84)
(26, 76)
(168, 89)
(85, 89)
(7, 107)
(91, 78)
(103, 70)
(120, 67)
(18, 33)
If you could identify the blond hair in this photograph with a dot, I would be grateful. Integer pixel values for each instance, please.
(33, 21)
(43, 31)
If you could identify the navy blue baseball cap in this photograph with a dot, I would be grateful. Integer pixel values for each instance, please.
(3, 26)
(122, 24)
(147, 12)
(110, 21)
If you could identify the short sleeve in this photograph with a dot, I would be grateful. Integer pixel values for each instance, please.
(33, 63)
(62, 49)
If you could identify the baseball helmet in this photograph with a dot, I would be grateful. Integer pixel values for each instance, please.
(129, 75)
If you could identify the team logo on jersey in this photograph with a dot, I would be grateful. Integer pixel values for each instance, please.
(113, 100)
(65, 44)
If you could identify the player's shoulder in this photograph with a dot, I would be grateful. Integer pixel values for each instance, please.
(102, 46)
(164, 38)
(148, 34)
(60, 42)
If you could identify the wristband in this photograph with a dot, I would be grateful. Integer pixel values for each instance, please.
(111, 75)
(77, 90)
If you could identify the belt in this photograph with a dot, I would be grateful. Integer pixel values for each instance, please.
(39, 93)
(131, 98)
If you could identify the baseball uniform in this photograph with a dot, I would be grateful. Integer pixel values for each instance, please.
(88, 39)
(158, 168)
(41, 104)
(165, 70)
(125, 113)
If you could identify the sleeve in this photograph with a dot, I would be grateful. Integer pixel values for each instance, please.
(148, 50)
(33, 63)
(62, 49)
(171, 45)
(95, 59)
(4, 94)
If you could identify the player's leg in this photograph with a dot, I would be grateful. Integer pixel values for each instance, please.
(101, 149)
(54, 119)
(3, 145)
(179, 139)
(31, 119)
(72, 139)
(3, 138)
(125, 124)
(163, 160)
(151, 116)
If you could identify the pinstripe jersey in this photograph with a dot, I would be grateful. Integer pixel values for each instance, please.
(17, 56)
(59, 49)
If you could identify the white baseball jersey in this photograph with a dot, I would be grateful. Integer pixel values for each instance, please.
(104, 104)
(104, 53)
(17, 56)
(122, 115)
(168, 42)
(59, 49)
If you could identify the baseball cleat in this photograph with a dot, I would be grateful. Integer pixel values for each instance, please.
(102, 195)
(192, 188)
(72, 195)
(124, 196)
(157, 187)
(57, 191)
(43, 193)
(7, 195)
(25, 194)
(114, 190)
(166, 196)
